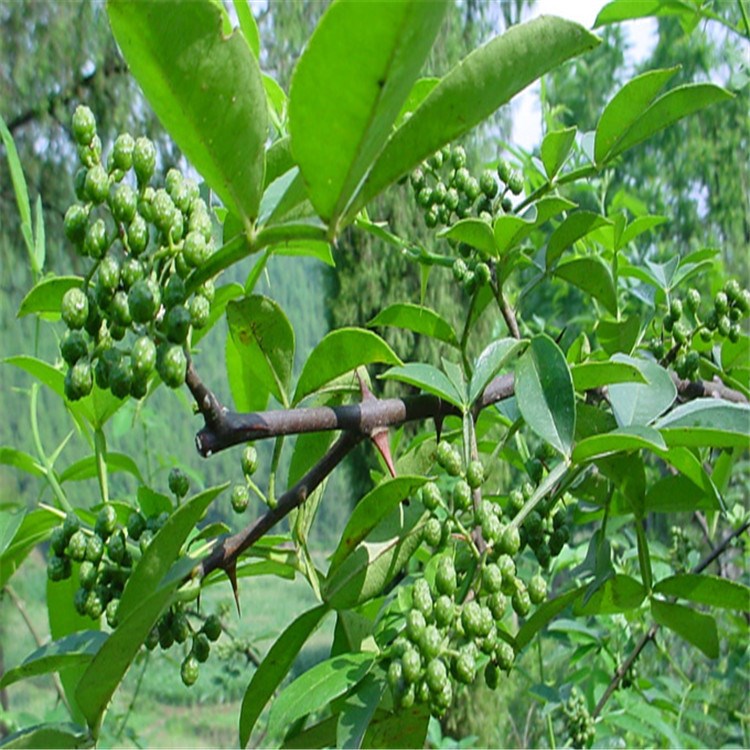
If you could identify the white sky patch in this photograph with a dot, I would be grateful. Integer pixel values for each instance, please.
(640, 37)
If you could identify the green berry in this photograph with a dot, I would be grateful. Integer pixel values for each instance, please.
(537, 589)
(189, 670)
(721, 303)
(171, 365)
(122, 152)
(433, 532)
(521, 601)
(436, 675)
(492, 529)
(94, 605)
(111, 612)
(74, 308)
(116, 547)
(465, 668)
(96, 186)
(73, 347)
(212, 628)
(743, 301)
(137, 235)
(422, 598)
(693, 299)
(725, 326)
(142, 301)
(735, 332)
(680, 334)
(84, 125)
(461, 495)
(445, 576)
(124, 204)
(180, 628)
(483, 274)
(58, 541)
(471, 619)
(411, 665)
(177, 324)
(143, 357)
(675, 309)
(119, 310)
(58, 568)
(458, 157)
(492, 578)
(491, 675)
(497, 603)
(195, 249)
(431, 642)
(475, 474)
(415, 625)
(459, 269)
(733, 290)
(444, 611)
(395, 675)
(436, 160)
(504, 655)
(417, 180)
(487, 184)
(90, 155)
(145, 540)
(76, 221)
(200, 311)
(174, 292)
(179, 484)
(472, 189)
(201, 647)
(240, 498)
(504, 171)
(431, 218)
(452, 199)
(106, 522)
(79, 380)
(144, 160)
(448, 458)
(515, 183)
(510, 543)
(431, 496)
(136, 525)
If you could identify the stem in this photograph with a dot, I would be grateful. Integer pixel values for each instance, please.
(100, 449)
(137, 690)
(506, 310)
(745, 19)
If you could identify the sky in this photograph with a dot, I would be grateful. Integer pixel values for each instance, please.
(641, 37)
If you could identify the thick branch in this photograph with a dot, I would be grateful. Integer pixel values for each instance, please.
(650, 634)
(225, 554)
(692, 389)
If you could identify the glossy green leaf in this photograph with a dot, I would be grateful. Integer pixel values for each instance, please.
(593, 276)
(625, 108)
(618, 594)
(338, 352)
(376, 561)
(248, 27)
(555, 149)
(274, 667)
(706, 589)
(428, 378)
(689, 465)
(72, 650)
(509, 230)
(316, 688)
(35, 527)
(108, 667)
(618, 335)
(354, 105)
(694, 627)
(164, 549)
(46, 296)
(405, 729)
(371, 510)
(677, 494)
(475, 88)
(85, 468)
(545, 395)
(60, 735)
(621, 440)
(357, 712)
(20, 460)
(490, 362)
(273, 201)
(544, 613)
(707, 421)
(627, 10)
(416, 318)
(419, 92)
(638, 403)
(628, 476)
(639, 226)
(575, 227)
(474, 232)
(206, 89)
(588, 375)
(11, 517)
(320, 735)
(264, 339)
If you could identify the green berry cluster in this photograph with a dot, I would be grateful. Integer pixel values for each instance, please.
(103, 557)
(142, 242)
(680, 548)
(579, 722)
(447, 191)
(454, 627)
(240, 492)
(685, 321)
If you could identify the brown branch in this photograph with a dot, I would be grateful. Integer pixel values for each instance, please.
(226, 553)
(692, 389)
(650, 634)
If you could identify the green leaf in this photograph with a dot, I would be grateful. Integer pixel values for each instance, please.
(72, 650)
(164, 550)
(357, 712)
(625, 108)
(85, 468)
(206, 89)
(419, 92)
(248, 27)
(316, 688)
(264, 339)
(475, 88)
(621, 440)
(223, 295)
(639, 226)
(21, 460)
(618, 594)
(628, 476)
(694, 627)
(428, 378)
(354, 105)
(575, 227)
(677, 494)
(46, 296)
(405, 729)
(707, 421)
(274, 668)
(545, 395)
(59, 735)
(555, 149)
(591, 275)
(40, 245)
(418, 319)
(371, 510)
(510, 230)
(638, 403)
(377, 560)
(689, 465)
(474, 232)
(589, 375)
(338, 352)
(34, 528)
(706, 589)
(489, 363)
(108, 667)
(11, 517)
(320, 735)
(618, 335)
(627, 10)
(544, 613)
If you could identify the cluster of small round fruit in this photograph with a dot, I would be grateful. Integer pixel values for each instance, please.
(454, 624)
(144, 242)
(241, 492)
(104, 555)
(447, 191)
(578, 719)
(685, 321)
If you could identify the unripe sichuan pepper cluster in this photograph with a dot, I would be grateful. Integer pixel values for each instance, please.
(454, 626)
(447, 192)
(101, 558)
(142, 242)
